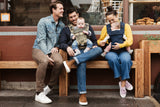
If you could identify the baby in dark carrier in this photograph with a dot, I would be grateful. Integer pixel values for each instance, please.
(115, 35)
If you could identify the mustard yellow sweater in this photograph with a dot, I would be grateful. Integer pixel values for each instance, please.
(127, 32)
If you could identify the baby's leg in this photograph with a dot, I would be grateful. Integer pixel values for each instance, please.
(89, 46)
(129, 50)
(75, 48)
(107, 49)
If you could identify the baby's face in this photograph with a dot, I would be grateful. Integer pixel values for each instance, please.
(115, 25)
(80, 23)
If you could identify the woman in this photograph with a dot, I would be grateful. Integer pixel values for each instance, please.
(118, 58)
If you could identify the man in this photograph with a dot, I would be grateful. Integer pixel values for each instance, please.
(45, 51)
(80, 60)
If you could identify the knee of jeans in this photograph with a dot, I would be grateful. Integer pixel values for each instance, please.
(125, 60)
(99, 50)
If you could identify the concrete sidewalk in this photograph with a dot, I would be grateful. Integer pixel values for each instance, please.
(15, 98)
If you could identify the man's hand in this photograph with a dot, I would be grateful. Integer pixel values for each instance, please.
(70, 51)
(51, 61)
(102, 43)
(116, 46)
(55, 49)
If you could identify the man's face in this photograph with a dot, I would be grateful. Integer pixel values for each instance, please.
(72, 17)
(80, 23)
(58, 11)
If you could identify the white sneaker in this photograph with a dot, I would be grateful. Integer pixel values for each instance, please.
(103, 54)
(42, 98)
(123, 91)
(130, 51)
(129, 86)
(46, 90)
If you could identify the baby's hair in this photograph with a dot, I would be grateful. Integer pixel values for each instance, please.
(81, 18)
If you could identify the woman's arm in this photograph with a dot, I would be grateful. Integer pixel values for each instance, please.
(103, 34)
(129, 40)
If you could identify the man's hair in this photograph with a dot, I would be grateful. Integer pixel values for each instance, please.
(54, 5)
(71, 10)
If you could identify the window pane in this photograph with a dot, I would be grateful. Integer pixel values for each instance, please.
(145, 13)
(28, 12)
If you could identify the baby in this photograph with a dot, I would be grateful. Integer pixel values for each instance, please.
(115, 26)
(79, 35)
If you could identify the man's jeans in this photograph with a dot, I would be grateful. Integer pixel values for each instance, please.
(120, 63)
(42, 62)
(81, 67)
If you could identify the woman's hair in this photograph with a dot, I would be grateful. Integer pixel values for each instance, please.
(54, 5)
(111, 11)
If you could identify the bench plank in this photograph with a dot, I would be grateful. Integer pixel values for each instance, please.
(18, 65)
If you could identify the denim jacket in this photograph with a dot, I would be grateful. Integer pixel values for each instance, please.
(47, 34)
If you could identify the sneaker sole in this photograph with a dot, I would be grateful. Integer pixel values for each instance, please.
(42, 102)
(66, 67)
(83, 104)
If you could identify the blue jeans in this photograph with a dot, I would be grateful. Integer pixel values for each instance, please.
(75, 44)
(81, 67)
(120, 63)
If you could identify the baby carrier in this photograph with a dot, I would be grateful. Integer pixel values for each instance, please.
(116, 36)
(81, 38)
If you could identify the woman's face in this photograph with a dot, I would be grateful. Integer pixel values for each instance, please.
(112, 18)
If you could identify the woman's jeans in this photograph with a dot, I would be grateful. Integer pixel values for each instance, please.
(120, 63)
(81, 67)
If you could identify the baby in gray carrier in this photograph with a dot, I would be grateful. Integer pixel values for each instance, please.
(80, 35)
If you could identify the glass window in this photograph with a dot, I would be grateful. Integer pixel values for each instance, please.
(28, 12)
(144, 13)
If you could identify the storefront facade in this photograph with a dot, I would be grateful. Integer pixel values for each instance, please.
(18, 34)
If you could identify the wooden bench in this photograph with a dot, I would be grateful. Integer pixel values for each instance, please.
(138, 63)
(149, 47)
(63, 78)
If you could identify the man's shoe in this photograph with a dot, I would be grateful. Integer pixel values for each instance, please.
(123, 91)
(129, 86)
(46, 90)
(83, 100)
(68, 64)
(42, 98)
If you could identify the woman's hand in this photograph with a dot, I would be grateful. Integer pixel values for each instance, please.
(116, 46)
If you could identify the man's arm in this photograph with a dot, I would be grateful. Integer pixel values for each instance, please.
(41, 36)
(64, 38)
(92, 37)
(64, 41)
